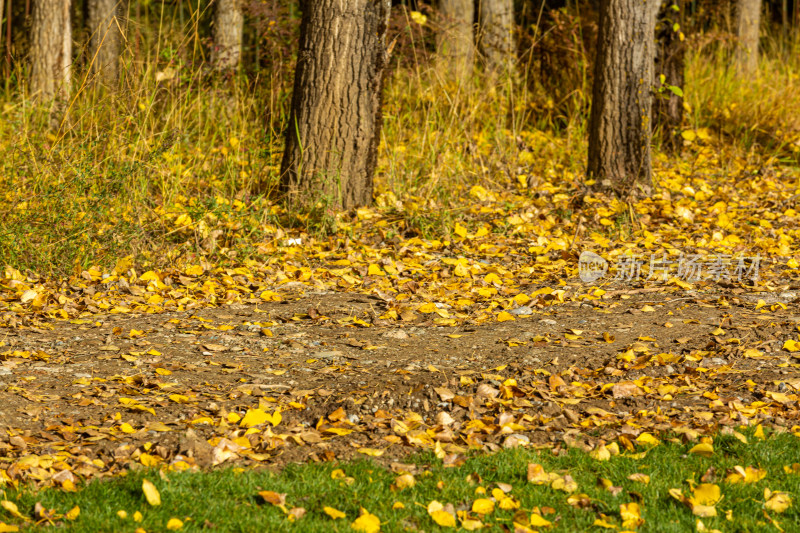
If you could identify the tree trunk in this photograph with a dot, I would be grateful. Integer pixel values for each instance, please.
(50, 50)
(228, 27)
(454, 39)
(670, 63)
(748, 18)
(620, 122)
(2, 5)
(335, 122)
(496, 18)
(104, 40)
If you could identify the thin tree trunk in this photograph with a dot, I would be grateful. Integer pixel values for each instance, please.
(105, 39)
(670, 63)
(50, 50)
(454, 40)
(228, 27)
(496, 19)
(2, 5)
(748, 19)
(335, 121)
(620, 122)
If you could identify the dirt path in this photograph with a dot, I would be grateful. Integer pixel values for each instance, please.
(87, 398)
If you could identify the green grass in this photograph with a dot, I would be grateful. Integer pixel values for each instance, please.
(229, 498)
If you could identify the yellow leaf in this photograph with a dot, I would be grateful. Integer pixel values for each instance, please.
(746, 475)
(641, 478)
(603, 523)
(272, 497)
(443, 518)
(254, 417)
(372, 452)
(398, 505)
(151, 493)
(601, 453)
(505, 316)
(194, 270)
(404, 481)
(706, 494)
(163, 372)
(126, 428)
(791, 346)
(471, 525)
(777, 502)
(366, 523)
(375, 270)
(418, 17)
(537, 474)
(179, 398)
(483, 506)
(333, 513)
(647, 438)
(339, 431)
(566, 484)
(538, 521)
(630, 514)
(8, 528)
(429, 307)
(703, 449)
(759, 433)
(12, 509)
(174, 524)
(705, 511)
(137, 517)
(183, 220)
(73, 513)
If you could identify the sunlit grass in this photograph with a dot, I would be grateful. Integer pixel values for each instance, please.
(128, 161)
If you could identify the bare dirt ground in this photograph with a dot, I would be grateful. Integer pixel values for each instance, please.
(271, 383)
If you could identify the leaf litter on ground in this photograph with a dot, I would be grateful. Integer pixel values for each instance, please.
(384, 344)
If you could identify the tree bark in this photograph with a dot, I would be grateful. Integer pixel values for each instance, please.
(2, 5)
(104, 40)
(496, 20)
(50, 50)
(748, 19)
(670, 63)
(228, 27)
(454, 41)
(620, 123)
(335, 121)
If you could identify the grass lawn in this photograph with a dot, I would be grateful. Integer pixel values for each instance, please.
(756, 482)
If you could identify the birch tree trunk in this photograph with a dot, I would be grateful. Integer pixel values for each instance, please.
(454, 41)
(335, 121)
(50, 50)
(496, 20)
(748, 19)
(621, 119)
(228, 27)
(105, 40)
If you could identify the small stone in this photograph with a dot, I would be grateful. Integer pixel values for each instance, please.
(396, 334)
(516, 439)
(548, 322)
(522, 310)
